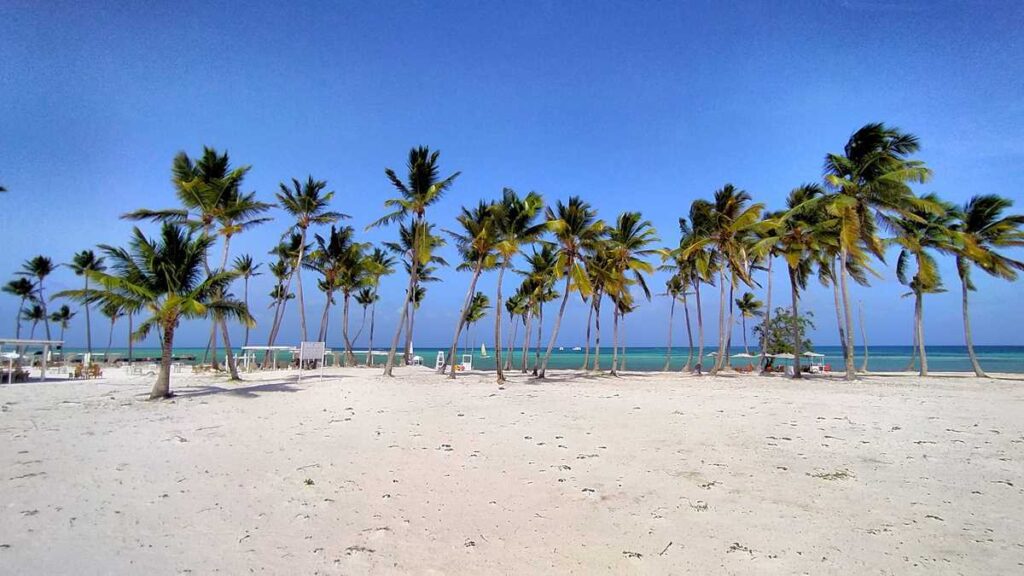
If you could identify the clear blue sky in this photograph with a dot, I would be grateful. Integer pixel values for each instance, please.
(632, 107)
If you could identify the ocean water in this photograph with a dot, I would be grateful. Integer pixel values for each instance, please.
(1008, 359)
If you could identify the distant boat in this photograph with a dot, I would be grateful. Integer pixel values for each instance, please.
(576, 348)
(483, 351)
(561, 348)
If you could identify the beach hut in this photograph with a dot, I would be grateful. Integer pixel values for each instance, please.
(817, 361)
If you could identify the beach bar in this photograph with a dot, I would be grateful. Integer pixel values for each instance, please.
(19, 345)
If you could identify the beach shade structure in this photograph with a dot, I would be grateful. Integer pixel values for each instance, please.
(742, 355)
(817, 360)
(20, 344)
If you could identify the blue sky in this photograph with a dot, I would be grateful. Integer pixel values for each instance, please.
(632, 107)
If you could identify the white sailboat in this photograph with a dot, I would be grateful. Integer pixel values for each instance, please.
(483, 350)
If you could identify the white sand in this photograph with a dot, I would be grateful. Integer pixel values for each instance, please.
(651, 474)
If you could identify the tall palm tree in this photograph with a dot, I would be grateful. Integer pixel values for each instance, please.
(674, 289)
(81, 263)
(516, 306)
(39, 268)
(515, 227)
(416, 237)
(539, 286)
(917, 234)
(246, 268)
(287, 253)
(113, 311)
(984, 231)
(23, 289)
(478, 307)
(210, 192)
(475, 242)
(749, 307)
(726, 226)
(870, 177)
(627, 248)
(378, 264)
(334, 257)
(165, 276)
(421, 189)
(365, 298)
(307, 203)
(576, 229)
(352, 277)
(601, 273)
(34, 314)
(693, 264)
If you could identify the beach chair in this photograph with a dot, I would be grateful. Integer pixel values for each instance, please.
(439, 362)
(95, 371)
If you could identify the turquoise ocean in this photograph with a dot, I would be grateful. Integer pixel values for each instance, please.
(1008, 359)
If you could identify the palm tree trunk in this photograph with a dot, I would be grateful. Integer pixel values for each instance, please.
(540, 340)
(743, 322)
(597, 330)
(466, 303)
(212, 345)
(558, 324)
(767, 318)
(373, 318)
(88, 320)
(838, 306)
(615, 340)
(919, 313)
(390, 364)
(162, 387)
(527, 331)
(968, 339)
(590, 319)
(17, 319)
(795, 324)
(131, 317)
(407, 354)
(689, 334)
(512, 342)
(668, 349)
(500, 376)
(721, 323)
(851, 373)
(32, 334)
(913, 347)
(46, 313)
(298, 288)
(322, 334)
(110, 339)
(700, 325)
(229, 354)
(245, 295)
(350, 358)
(863, 337)
(622, 355)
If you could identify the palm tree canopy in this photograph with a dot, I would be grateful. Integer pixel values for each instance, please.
(577, 230)
(245, 267)
(749, 306)
(33, 313)
(919, 233)
(478, 236)
(38, 267)
(20, 288)
(62, 316)
(86, 260)
(628, 247)
(726, 226)
(515, 224)
(421, 188)
(478, 307)
(983, 231)
(307, 203)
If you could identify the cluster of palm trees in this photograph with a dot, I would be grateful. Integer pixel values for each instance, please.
(832, 230)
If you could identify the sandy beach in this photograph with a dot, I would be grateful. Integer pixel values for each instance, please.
(648, 474)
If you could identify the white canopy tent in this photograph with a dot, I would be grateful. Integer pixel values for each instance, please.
(19, 345)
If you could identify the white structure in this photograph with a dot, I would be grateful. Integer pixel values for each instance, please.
(19, 346)
(314, 351)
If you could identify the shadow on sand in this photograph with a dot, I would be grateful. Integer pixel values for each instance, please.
(252, 391)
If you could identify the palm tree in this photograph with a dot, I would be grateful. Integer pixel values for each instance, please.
(166, 277)
(516, 306)
(378, 264)
(416, 237)
(870, 178)
(112, 310)
(478, 307)
(627, 249)
(749, 307)
(514, 228)
(726, 225)
(81, 263)
(421, 189)
(212, 200)
(34, 314)
(365, 298)
(601, 275)
(352, 277)
(576, 229)
(246, 269)
(307, 204)
(332, 257)
(539, 286)
(287, 253)
(918, 233)
(693, 264)
(674, 289)
(983, 232)
(39, 268)
(475, 243)
(62, 317)
(23, 289)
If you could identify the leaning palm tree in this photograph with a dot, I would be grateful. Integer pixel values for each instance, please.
(869, 178)
(287, 252)
(351, 278)
(212, 201)
(34, 314)
(365, 298)
(475, 243)
(627, 249)
(165, 276)
(39, 268)
(515, 227)
(81, 263)
(538, 286)
(515, 305)
(246, 268)
(576, 229)
(674, 289)
(62, 318)
(749, 307)
(416, 237)
(113, 311)
(25, 291)
(478, 307)
(421, 189)
(918, 234)
(307, 203)
(984, 231)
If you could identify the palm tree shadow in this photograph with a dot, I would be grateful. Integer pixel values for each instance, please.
(253, 391)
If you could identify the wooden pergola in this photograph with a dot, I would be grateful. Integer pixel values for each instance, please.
(21, 344)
